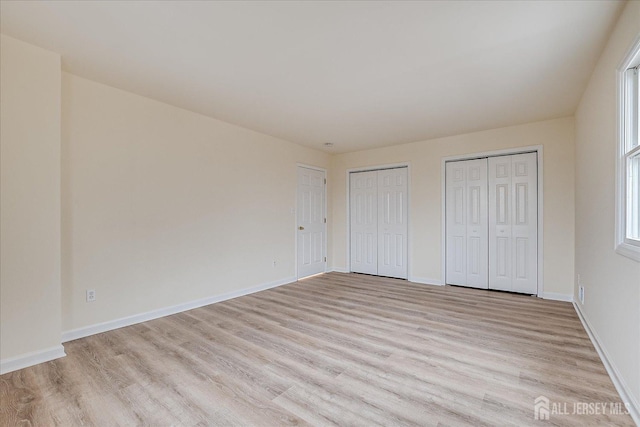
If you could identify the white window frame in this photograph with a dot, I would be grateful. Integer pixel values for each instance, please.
(625, 130)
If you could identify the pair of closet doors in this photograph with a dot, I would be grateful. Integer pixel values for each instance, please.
(378, 222)
(492, 223)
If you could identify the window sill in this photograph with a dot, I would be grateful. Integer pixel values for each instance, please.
(630, 251)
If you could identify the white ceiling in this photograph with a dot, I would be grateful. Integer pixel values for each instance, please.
(357, 74)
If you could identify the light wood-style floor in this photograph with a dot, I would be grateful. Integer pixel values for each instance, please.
(341, 349)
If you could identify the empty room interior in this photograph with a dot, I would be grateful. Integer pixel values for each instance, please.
(265, 213)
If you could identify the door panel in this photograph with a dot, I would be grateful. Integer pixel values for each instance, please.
(310, 219)
(477, 224)
(525, 223)
(466, 223)
(392, 229)
(456, 234)
(500, 238)
(513, 211)
(364, 222)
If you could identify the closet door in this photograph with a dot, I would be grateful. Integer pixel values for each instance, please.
(513, 219)
(392, 223)
(456, 187)
(500, 217)
(467, 223)
(363, 210)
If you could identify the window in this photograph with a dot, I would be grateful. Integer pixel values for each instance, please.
(628, 162)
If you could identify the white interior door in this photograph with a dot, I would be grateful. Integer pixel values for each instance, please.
(392, 223)
(311, 228)
(467, 252)
(363, 195)
(378, 222)
(513, 219)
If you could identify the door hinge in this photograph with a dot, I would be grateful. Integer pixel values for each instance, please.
(325, 259)
(325, 220)
(325, 181)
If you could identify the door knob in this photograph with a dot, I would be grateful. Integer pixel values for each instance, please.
(301, 228)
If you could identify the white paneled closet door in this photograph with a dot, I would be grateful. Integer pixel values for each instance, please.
(378, 222)
(364, 222)
(467, 223)
(392, 223)
(513, 223)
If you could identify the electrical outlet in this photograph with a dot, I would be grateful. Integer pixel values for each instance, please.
(91, 295)
(580, 289)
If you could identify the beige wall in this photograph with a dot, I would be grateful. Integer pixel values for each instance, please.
(611, 281)
(163, 206)
(425, 158)
(29, 199)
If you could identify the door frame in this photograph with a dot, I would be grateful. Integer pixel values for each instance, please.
(294, 211)
(348, 219)
(538, 149)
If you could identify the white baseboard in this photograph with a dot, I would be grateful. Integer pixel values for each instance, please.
(557, 297)
(340, 270)
(618, 381)
(30, 359)
(167, 311)
(426, 281)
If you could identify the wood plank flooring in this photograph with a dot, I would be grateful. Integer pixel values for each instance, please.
(335, 349)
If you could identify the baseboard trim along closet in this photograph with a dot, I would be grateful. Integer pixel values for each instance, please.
(167, 311)
(30, 359)
(632, 404)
